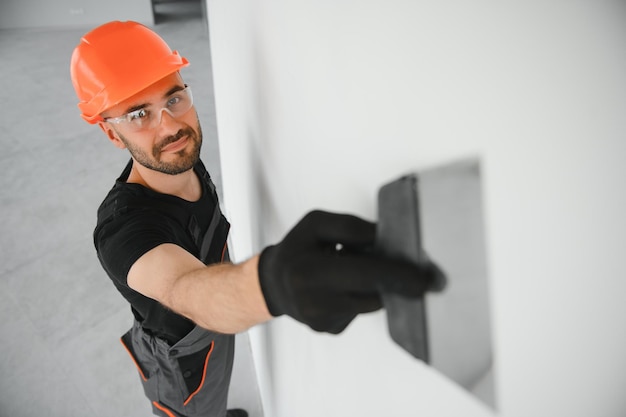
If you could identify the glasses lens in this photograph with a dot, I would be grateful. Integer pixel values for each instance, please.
(179, 103)
(176, 105)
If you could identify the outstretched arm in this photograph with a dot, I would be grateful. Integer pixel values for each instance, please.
(225, 298)
(324, 273)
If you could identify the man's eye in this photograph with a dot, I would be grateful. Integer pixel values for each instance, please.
(173, 101)
(137, 114)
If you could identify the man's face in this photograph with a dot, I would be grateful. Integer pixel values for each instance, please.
(173, 145)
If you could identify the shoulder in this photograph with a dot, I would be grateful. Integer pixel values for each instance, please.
(130, 214)
(128, 226)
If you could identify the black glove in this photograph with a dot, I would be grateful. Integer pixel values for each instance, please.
(325, 272)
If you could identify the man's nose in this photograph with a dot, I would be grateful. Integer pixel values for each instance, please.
(167, 120)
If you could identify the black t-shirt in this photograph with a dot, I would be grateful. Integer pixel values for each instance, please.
(133, 219)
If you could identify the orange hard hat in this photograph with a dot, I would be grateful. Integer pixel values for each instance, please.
(116, 61)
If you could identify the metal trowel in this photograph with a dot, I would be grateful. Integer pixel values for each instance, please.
(399, 236)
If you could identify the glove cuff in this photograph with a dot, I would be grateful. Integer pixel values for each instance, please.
(269, 283)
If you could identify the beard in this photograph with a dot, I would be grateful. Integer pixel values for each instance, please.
(186, 158)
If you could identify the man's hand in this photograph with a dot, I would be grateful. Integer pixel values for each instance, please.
(325, 272)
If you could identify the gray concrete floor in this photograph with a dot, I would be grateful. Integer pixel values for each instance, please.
(61, 316)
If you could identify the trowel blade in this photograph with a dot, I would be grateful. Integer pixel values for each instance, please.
(398, 235)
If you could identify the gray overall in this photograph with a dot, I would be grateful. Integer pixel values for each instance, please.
(192, 377)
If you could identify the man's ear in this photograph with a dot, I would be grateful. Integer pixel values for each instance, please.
(112, 135)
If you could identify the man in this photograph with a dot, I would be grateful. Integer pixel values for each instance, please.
(161, 236)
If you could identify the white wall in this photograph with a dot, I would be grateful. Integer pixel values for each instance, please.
(320, 102)
(71, 13)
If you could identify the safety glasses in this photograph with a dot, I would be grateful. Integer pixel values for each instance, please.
(149, 116)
